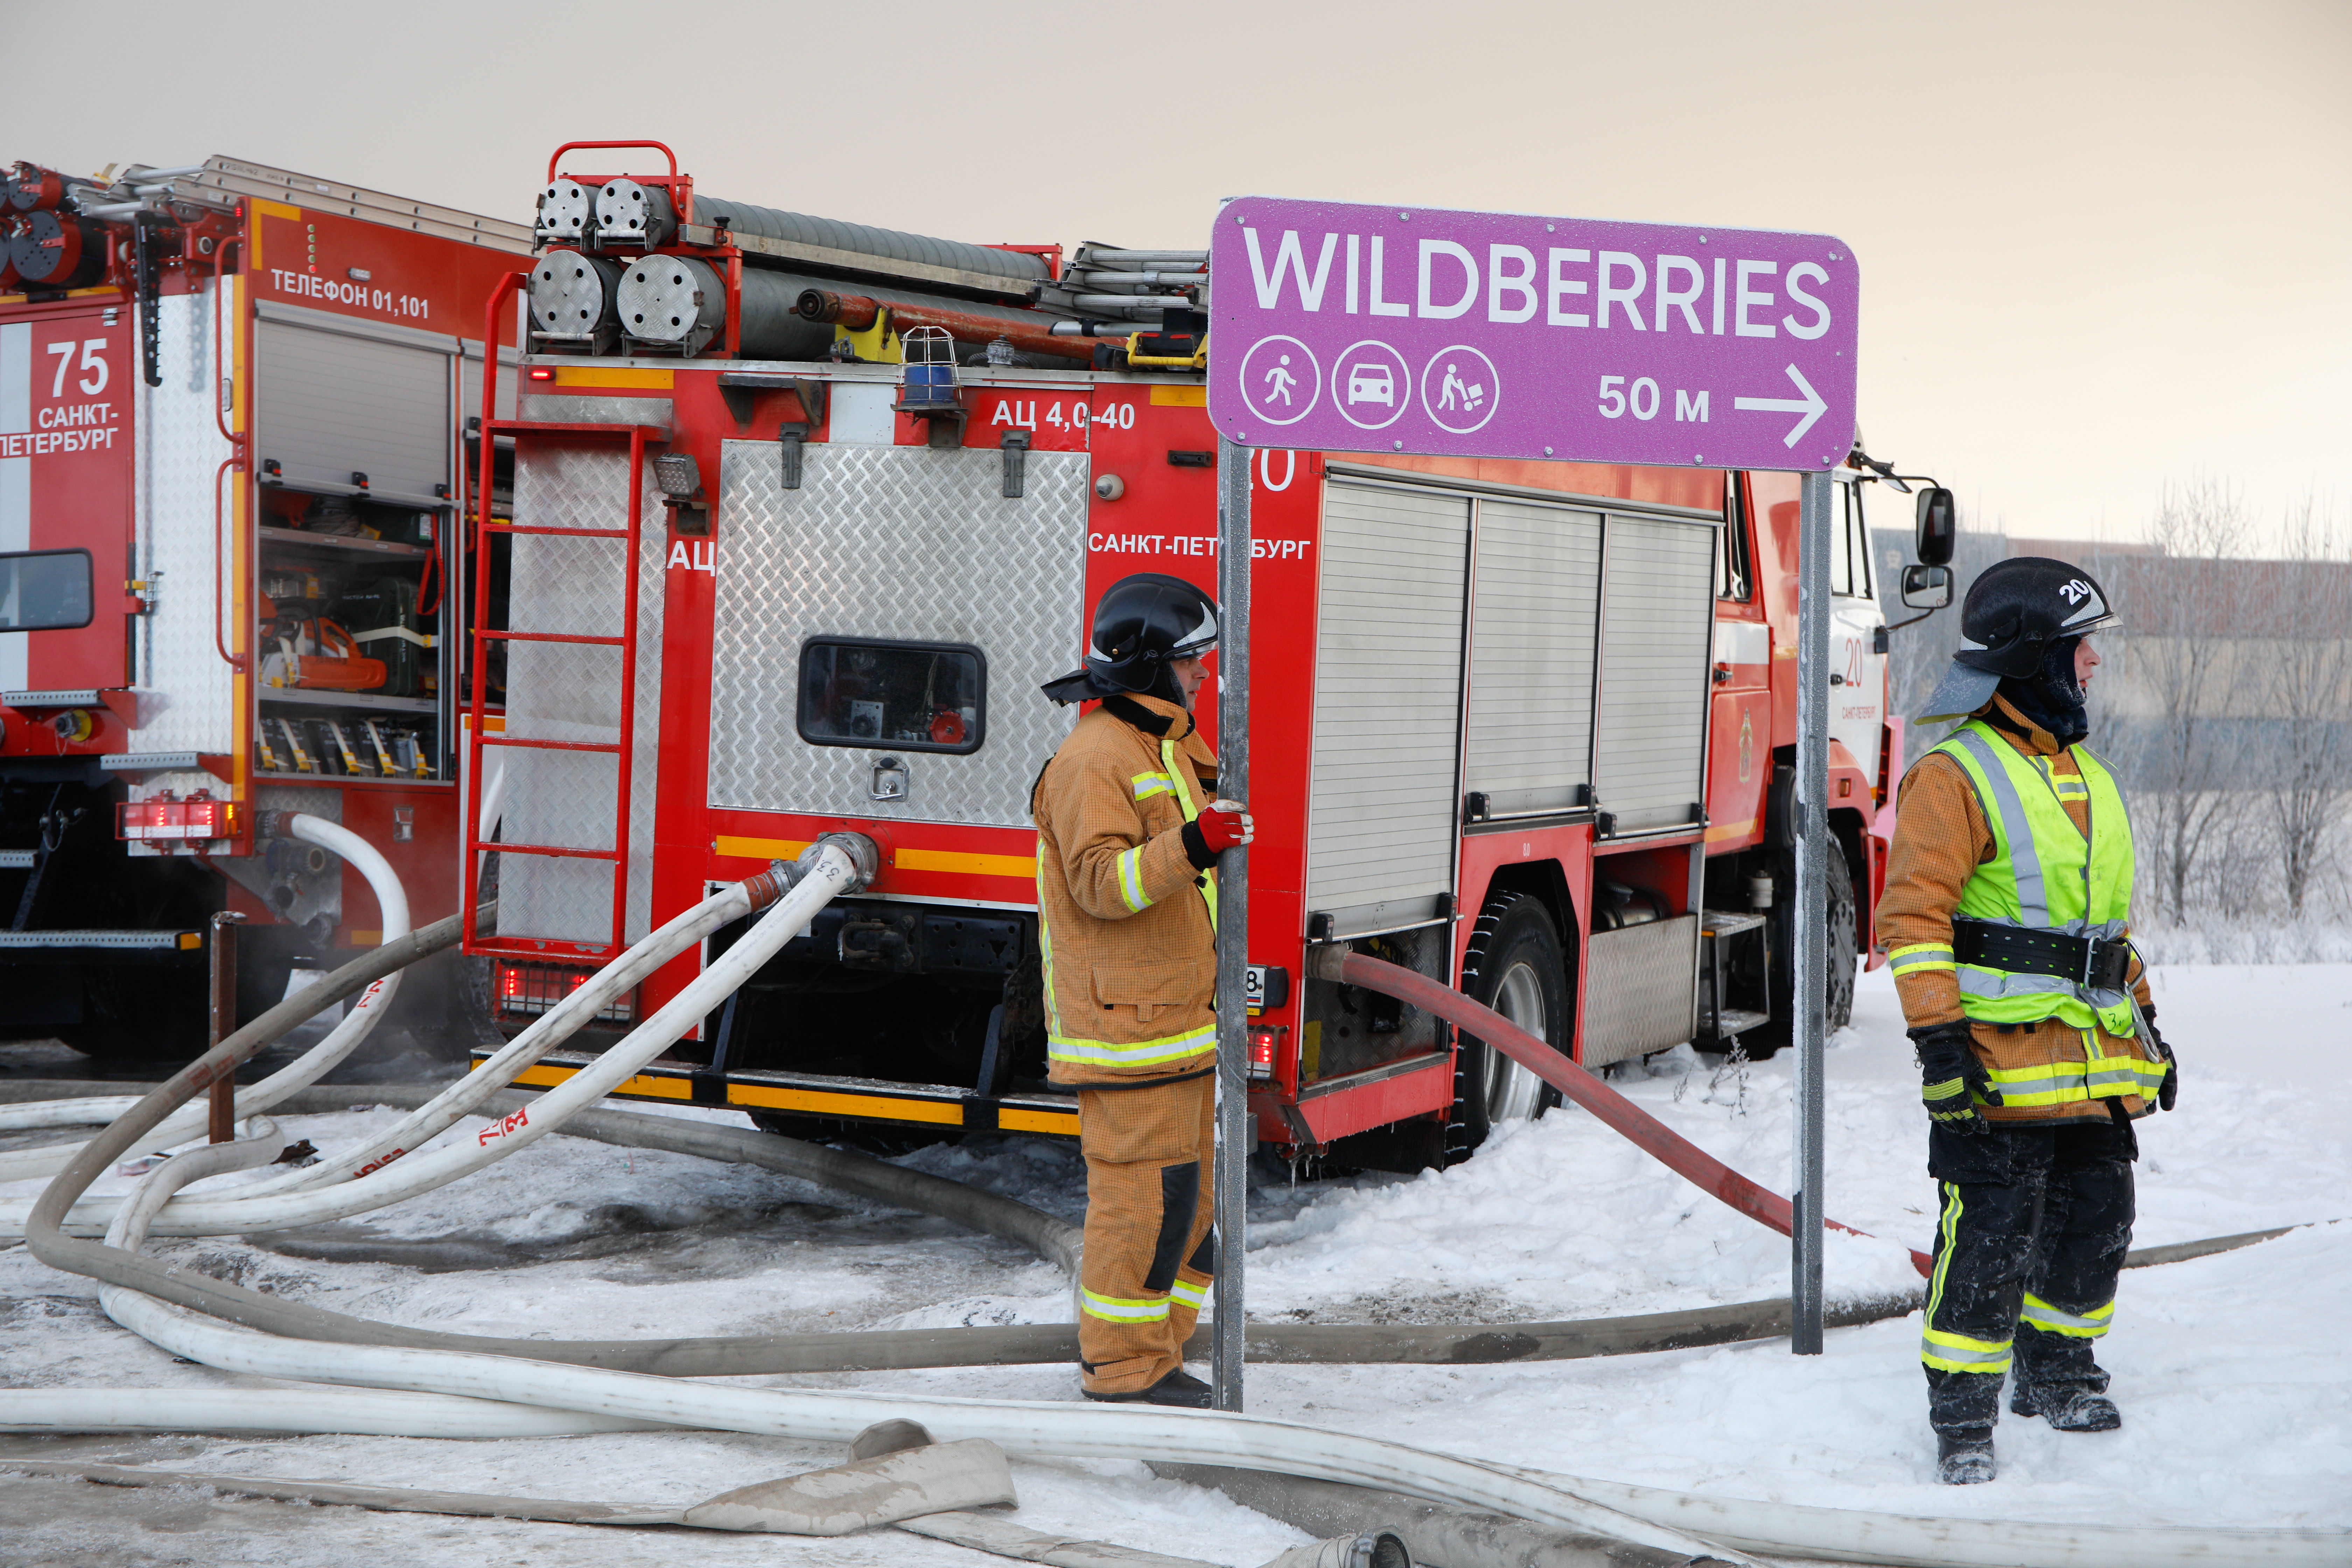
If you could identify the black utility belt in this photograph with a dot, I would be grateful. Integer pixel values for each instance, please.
(2091, 962)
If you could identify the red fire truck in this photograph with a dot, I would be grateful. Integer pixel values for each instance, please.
(804, 514)
(232, 446)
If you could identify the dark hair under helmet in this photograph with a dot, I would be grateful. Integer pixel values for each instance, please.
(1142, 624)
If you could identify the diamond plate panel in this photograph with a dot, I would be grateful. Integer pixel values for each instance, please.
(1640, 989)
(898, 542)
(565, 691)
(186, 701)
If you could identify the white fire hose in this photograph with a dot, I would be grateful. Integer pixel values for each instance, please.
(232, 1213)
(509, 1392)
(392, 899)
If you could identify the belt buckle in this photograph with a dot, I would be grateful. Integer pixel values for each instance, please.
(2091, 946)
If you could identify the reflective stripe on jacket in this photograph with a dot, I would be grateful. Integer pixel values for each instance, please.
(1126, 925)
(2045, 875)
(1945, 840)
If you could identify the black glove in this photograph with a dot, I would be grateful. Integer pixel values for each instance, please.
(2170, 1090)
(1950, 1075)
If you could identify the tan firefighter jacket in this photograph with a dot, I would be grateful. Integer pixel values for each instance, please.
(1940, 839)
(1126, 922)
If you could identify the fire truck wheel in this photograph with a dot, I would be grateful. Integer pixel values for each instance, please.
(1761, 1042)
(1514, 966)
(141, 1014)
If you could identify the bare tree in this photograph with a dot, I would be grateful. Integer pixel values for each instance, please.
(2180, 612)
(2306, 705)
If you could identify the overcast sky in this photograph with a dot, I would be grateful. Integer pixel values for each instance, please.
(2103, 247)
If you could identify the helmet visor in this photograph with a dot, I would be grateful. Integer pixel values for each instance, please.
(1198, 641)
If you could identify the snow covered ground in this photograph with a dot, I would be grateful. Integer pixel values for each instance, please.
(2233, 1378)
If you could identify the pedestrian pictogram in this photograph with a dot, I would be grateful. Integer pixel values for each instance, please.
(1281, 380)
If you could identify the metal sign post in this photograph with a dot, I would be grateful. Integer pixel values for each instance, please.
(1235, 1143)
(1810, 965)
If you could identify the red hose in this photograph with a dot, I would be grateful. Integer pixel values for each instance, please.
(1622, 1115)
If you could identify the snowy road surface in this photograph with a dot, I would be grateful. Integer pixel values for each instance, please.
(2232, 1371)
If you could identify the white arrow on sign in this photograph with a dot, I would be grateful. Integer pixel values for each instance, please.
(1811, 405)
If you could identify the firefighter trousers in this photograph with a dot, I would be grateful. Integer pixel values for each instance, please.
(2034, 1222)
(1150, 1255)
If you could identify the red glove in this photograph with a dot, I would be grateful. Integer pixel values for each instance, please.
(1225, 824)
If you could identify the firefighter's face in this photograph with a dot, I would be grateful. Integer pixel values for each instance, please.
(2086, 660)
(1190, 673)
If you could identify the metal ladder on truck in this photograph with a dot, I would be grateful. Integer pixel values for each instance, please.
(623, 748)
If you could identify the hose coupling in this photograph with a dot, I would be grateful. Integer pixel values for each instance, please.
(774, 883)
(1369, 1549)
(1326, 959)
(864, 857)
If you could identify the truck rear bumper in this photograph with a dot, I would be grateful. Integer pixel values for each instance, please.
(945, 1107)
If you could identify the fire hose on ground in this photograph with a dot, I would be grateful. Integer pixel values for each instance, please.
(516, 1387)
(374, 1001)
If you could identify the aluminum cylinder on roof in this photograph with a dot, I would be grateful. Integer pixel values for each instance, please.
(567, 210)
(572, 294)
(664, 299)
(1015, 268)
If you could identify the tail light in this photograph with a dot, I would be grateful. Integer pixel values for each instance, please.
(1264, 1039)
(167, 818)
(528, 990)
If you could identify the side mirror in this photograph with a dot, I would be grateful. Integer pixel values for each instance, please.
(1939, 521)
(1928, 587)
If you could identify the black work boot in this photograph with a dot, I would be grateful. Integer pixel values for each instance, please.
(2067, 1407)
(1179, 1388)
(1964, 1456)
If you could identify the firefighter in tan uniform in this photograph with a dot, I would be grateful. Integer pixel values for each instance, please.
(1129, 830)
(2006, 920)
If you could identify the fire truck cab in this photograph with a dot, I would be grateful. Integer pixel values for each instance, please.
(1526, 727)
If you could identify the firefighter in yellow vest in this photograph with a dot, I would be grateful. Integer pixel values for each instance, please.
(2007, 923)
(1129, 831)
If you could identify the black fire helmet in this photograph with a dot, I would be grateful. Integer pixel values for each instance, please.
(2015, 610)
(1141, 623)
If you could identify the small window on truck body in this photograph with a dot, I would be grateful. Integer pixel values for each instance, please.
(896, 696)
(45, 590)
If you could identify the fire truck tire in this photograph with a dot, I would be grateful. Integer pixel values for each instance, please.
(141, 1014)
(1767, 1040)
(1514, 966)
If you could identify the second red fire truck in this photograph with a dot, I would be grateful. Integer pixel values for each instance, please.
(803, 513)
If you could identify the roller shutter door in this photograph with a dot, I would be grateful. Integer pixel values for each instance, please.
(1535, 615)
(1657, 614)
(332, 404)
(1381, 808)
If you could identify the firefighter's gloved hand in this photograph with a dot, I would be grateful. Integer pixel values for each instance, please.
(1224, 824)
(1951, 1079)
(2170, 1090)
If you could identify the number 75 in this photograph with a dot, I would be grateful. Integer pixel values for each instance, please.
(91, 361)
